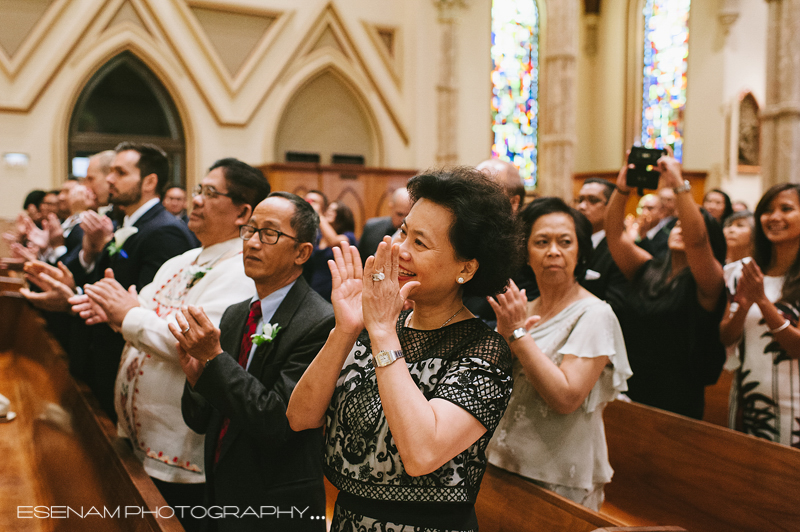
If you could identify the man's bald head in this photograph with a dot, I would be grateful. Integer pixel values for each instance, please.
(400, 205)
(507, 175)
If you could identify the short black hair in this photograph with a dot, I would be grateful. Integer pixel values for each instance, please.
(152, 160)
(246, 184)
(608, 189)
(583, 228)
(483, 223)
(304, 221)
(34, 197)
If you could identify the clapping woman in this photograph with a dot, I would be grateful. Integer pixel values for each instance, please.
(762, 319)
(570, 361)
(410, 399)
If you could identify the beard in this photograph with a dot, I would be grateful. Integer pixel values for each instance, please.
(123, 199)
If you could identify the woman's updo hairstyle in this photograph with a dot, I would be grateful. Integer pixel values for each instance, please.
(483, 227)
(583, 228)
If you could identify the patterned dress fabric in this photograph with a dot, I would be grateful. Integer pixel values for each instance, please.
(765, 400)
(465, 363)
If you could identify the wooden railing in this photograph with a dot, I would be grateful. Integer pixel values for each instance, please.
(59, 454)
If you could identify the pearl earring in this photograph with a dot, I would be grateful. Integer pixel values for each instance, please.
(460, 280)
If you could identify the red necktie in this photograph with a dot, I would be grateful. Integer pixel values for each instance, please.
(244, 353)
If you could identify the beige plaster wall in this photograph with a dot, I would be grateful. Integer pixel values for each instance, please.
(238, 116)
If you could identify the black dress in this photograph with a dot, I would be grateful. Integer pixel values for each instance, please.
(673, 343)
(465, 363)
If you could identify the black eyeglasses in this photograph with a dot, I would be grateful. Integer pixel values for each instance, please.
(207, 191)
(266, 235)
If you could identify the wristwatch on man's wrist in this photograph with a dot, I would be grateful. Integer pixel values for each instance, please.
(384, 358)
(686, 187)
(516, 335)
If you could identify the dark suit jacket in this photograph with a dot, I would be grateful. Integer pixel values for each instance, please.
(262, 462)
(657, 246)
(160, 237)
(374, 231)
(611, 278)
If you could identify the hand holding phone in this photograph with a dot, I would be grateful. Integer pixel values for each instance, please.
(644, 173)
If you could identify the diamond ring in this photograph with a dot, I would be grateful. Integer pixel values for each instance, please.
(378, 276)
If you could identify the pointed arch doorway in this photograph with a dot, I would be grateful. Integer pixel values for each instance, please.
(125, 101)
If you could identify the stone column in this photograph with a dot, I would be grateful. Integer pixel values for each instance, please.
(780, 118)
(446, 88)
(558, 98)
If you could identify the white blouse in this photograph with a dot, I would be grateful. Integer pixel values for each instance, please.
(565, 449)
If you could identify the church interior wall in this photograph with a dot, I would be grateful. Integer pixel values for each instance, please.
(238, 114)
(720, 69)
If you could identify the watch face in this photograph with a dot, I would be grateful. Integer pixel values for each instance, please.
(384, 358)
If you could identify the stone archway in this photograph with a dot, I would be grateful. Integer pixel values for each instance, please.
(125, 101)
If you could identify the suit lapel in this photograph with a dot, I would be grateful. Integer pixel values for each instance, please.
(269, 350)
(151, 213)
(282, 317)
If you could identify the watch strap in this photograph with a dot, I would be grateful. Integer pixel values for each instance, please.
(517, 334)
(385, 358)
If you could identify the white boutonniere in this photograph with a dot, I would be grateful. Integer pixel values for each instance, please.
(268, 333)
(196, 273)
(120, 236)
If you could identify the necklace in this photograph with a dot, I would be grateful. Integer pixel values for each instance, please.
(408, 319)
(451, 317)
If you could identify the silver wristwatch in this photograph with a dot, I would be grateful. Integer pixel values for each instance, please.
(686, 187)
(384, 358)
(516, 335)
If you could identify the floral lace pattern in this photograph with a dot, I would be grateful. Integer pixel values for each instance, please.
(465, 363)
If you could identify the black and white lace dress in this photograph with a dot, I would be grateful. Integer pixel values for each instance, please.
(465, 363)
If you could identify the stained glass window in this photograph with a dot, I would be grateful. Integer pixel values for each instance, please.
(666, 47)
(515, 84)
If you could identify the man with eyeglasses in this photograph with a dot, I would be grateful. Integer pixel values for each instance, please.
(602, 273)
(149, 383)
(240, 378)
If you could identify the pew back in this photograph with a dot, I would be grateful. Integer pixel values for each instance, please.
(676, 470)
(58, 453)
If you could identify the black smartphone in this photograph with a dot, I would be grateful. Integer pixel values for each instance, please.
(644, 174)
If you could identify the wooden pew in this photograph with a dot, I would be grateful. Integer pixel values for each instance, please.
(58, 452)
(672, 469)
(508, 503)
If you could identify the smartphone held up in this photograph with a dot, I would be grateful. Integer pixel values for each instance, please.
(644, 173)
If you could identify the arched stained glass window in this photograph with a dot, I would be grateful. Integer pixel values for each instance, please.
(515, 84)
(666, 48)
